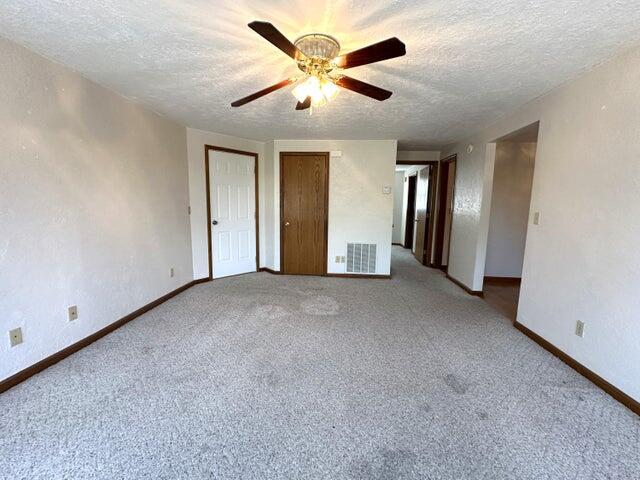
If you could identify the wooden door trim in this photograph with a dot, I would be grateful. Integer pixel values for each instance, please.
(451, 159)
(441, 220)
(325, 250)
(215, 148)
(431, 205)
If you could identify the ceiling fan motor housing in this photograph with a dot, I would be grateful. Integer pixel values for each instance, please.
(318, 45)
(319, 49)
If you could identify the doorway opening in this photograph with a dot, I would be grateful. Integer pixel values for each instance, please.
(231, 178)
(414, 199)
(509, 218)
(446, 202)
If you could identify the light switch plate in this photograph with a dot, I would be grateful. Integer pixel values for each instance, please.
(15, 336)
(73, 313)
(580, 328)
(536, 218)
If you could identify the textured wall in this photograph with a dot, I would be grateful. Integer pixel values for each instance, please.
(418, 155)
(358, 210)
(93, 206)
(510, 201)
(582, 261)
(196, 140)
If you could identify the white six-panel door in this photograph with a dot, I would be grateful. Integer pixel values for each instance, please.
(233, 208)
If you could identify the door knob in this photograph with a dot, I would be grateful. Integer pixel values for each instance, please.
(215, 222)
(286, 224)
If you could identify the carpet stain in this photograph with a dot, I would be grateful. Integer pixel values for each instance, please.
(390, 464)
(270, 312)
(455, 384)
(320, 305)
(269, 379)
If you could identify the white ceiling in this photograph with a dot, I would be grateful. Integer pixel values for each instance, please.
(468, 62)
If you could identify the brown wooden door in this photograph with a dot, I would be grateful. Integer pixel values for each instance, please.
(421, 219)
(304, 180)
(411, 212)
(446, 200)
(451, 182)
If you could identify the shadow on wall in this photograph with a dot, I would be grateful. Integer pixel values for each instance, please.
(94, 197)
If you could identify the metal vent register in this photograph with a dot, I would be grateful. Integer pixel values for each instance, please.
(361, 258)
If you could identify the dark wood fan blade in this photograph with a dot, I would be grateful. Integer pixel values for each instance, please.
(262, 93)
(304, 105)
(390, 48)
(273, 35)
(363, 88)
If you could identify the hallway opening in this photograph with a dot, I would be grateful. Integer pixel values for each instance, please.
(509, 218)
(414, 201)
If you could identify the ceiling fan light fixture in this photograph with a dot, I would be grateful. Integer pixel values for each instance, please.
(329, 89)
(321, 90)
(301, 91)
(318, 56)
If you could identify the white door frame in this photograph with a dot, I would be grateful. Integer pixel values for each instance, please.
(213, 148)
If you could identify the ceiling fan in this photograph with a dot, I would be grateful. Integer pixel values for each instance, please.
(318, 57)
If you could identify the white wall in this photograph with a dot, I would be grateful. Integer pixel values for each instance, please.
(93, 206)
(398, 197)
(510, 200)
(270, 216)
(196, 140)
(358, 209)
(418, 155)
(582, 261)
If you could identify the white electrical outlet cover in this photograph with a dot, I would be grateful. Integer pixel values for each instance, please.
(15, 336)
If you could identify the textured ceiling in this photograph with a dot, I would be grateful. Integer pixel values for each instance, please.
(468, 61)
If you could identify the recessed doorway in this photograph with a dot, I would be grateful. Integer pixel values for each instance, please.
(414, 201)
(509, 218)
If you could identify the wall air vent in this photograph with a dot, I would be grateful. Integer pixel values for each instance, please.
(361, 258)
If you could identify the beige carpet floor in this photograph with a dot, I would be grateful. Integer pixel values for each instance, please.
(280, 377)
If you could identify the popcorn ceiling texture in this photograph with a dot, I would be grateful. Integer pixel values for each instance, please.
(468, 62)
